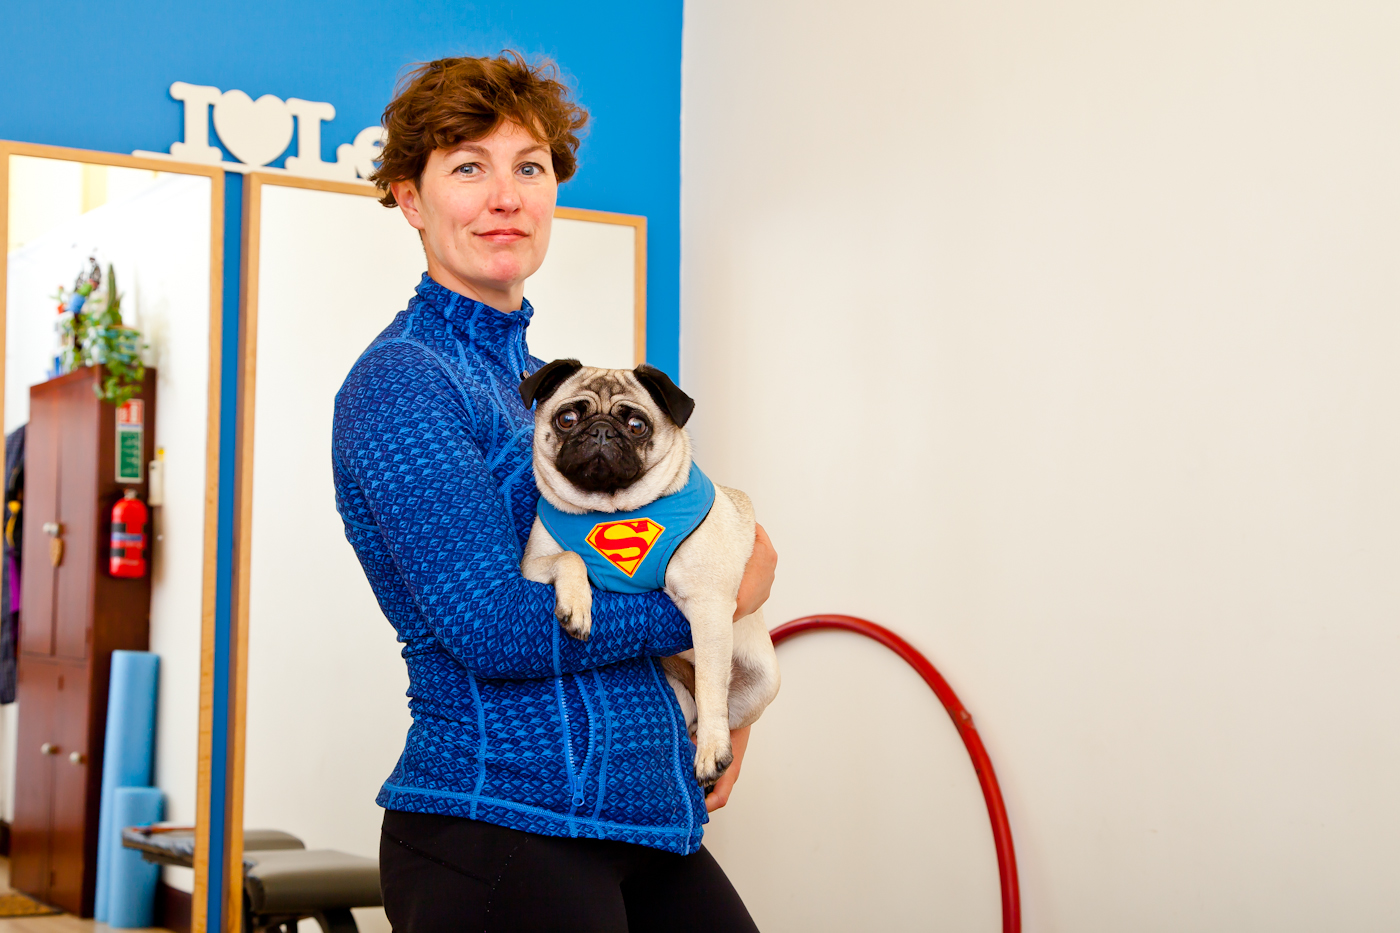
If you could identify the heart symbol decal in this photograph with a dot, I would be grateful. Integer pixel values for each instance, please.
(255, 132)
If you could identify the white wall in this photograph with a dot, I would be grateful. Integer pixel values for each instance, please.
(157, 237)
(841, 807)
(43, 194)
(1062, 339)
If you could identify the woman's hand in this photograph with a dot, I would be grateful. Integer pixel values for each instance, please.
(758, 577)
(739, 739)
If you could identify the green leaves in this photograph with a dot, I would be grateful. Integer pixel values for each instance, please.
(103, 340)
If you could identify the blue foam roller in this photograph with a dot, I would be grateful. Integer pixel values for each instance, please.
(127, 752)
(131, 887)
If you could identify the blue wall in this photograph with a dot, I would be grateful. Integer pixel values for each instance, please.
(96, 76)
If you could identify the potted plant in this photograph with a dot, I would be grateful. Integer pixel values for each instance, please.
(91, 333)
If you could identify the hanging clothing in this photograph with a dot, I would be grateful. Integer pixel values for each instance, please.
(13, 518)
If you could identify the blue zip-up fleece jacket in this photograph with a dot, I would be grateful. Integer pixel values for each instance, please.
(514, 722)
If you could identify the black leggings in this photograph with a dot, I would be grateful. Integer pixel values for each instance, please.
(444, 873)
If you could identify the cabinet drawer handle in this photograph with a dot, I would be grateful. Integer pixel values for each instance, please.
(55, 532)
(48, 748)
(77, 757)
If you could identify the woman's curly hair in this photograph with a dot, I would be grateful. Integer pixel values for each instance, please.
(454, 100)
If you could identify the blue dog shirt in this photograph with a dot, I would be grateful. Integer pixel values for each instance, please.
(628, 552)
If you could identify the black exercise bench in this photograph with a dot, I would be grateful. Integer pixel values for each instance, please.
(283, 881)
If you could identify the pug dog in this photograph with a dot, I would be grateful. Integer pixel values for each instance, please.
(613, 465)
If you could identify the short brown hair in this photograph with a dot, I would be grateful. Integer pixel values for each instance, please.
(442, 103)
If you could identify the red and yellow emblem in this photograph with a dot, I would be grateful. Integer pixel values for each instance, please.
(625, 544)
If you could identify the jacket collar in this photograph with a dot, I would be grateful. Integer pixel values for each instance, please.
(495, 333)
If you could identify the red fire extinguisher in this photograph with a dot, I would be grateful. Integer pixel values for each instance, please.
(129, 536)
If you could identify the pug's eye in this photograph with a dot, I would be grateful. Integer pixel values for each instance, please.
(566, 419)
(636, 426)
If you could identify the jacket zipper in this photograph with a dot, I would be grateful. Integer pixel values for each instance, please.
(575, 779)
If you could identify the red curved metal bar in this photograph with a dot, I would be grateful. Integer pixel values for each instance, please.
(962, 719)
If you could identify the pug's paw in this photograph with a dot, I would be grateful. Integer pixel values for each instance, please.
(712, 759)
(573, 598)
(577, 618)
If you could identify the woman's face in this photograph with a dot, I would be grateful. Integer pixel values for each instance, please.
(484, 209)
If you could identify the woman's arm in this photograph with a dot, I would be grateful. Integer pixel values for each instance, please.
(401, 436)
(758, 575)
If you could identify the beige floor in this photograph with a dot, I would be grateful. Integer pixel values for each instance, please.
(58, 923)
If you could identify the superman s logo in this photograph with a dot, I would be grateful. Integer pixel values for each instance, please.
(625, 544)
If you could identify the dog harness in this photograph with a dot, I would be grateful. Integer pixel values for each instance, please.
(628, 552)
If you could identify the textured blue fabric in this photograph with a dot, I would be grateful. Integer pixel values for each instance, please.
(619, 549)
(514, 722)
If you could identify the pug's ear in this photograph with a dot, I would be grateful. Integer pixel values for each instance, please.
(665, 393)
(541, 384)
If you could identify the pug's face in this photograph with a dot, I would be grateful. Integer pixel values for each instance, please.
(607, 439)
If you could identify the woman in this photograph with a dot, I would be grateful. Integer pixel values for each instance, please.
(545, 782)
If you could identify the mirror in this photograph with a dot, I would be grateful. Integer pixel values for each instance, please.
(327, 268)
(154, 230)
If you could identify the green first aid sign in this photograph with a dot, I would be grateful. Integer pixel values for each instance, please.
(131, 436)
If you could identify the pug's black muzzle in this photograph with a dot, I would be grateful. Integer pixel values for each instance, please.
(599, 457)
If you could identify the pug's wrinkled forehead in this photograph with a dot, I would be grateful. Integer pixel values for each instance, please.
(603, 390)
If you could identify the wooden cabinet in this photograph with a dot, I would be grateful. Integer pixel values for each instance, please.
(51, 787)
(74, 615)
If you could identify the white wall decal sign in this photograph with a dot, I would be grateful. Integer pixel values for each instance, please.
(258, 131)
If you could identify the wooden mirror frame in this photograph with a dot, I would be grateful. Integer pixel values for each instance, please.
(209, 603)
(243, 484)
